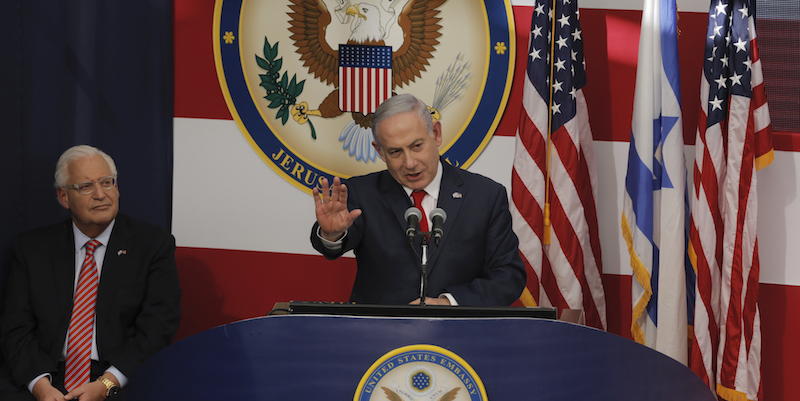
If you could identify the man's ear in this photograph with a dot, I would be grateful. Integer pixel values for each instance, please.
(378, 148)
(62, 197)
(437, 133)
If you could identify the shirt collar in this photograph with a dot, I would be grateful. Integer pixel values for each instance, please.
(433, 188)
(81, 239)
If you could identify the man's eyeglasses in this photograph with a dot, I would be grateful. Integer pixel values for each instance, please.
(87, 188)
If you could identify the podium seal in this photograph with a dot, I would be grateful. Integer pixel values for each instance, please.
(420, 372)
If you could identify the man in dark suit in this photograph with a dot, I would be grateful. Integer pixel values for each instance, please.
(137, 308)
(476, 263)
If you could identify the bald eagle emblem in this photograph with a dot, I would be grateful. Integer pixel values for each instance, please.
(365, 75)
(391, 395)
(306, 76)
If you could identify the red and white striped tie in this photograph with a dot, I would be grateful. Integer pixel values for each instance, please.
(79, 343)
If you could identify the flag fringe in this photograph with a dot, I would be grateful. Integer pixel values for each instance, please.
(642, 277)
(692, 257)
(730, 394)
(527, 298)
(765, 160)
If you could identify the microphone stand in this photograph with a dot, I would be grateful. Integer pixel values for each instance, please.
(424, 289)
(438, 216)
(424, 264)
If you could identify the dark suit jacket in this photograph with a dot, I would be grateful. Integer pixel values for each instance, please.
(477, 260)
(138, 299)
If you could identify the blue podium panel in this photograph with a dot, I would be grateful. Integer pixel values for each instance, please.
(305, 357)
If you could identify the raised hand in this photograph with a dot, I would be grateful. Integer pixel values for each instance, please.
(330, 206)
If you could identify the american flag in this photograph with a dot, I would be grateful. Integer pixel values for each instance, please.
(734, 139)
(655, 206)
(553, 183)
(365, 77)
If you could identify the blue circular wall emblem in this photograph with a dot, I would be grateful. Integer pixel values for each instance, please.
(302, 77)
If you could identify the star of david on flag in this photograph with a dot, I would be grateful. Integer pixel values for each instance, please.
(655, 209)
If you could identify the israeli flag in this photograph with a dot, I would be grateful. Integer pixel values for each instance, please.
(655, 211)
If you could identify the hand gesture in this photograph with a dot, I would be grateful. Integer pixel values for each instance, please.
(331, 208)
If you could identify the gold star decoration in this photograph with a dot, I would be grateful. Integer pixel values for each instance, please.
(228, 38)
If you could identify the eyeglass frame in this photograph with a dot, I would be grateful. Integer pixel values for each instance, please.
(76, 187)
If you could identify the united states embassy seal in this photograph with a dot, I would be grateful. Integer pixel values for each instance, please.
(302, 77)
(420, 372)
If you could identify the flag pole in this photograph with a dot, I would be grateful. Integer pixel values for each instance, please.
(546, 240)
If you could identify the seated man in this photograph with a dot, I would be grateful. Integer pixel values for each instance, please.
(476, 263)
(88, 300)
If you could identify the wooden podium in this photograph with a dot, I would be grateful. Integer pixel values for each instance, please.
(324, 357)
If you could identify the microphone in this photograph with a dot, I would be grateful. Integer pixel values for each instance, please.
(438, 217)
(412, 216)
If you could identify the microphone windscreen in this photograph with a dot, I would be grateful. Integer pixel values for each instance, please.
(438, 212)
(413, 211)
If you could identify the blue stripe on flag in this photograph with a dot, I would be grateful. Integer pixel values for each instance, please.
(639, 184)
(669, 46)
(654, 214)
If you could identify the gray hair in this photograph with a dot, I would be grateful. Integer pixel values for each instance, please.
(401, 104)
(76, 153)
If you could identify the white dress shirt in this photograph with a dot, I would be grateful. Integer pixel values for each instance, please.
(99, 255)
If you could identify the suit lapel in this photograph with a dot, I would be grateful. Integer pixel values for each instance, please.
(451, 194)
(394, 194)
(63, 265)
(113, 265)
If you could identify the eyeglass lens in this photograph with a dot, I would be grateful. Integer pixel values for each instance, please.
(86, 188)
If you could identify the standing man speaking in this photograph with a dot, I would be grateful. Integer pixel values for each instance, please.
(475, 264)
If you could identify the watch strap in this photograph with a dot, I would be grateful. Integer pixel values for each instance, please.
(109, 385)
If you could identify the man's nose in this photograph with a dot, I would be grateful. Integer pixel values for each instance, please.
(410, 161)
(99, 192)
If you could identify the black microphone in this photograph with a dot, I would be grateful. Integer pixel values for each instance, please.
(412, 216)
(438, 216)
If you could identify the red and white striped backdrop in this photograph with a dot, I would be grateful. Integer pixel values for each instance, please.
(243, 231)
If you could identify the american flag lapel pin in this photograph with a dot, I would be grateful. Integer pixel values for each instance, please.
(457, 195)
(122, 252)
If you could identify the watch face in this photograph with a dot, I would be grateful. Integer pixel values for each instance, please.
(112, 391)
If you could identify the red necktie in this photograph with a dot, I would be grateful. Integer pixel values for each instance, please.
(79, 343)
(423, 222)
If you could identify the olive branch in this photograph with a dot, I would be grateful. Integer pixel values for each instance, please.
(281, 93)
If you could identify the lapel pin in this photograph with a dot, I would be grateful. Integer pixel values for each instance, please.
(122, 252)
(457, 195)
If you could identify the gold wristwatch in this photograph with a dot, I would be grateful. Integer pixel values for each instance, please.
(111, 388)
